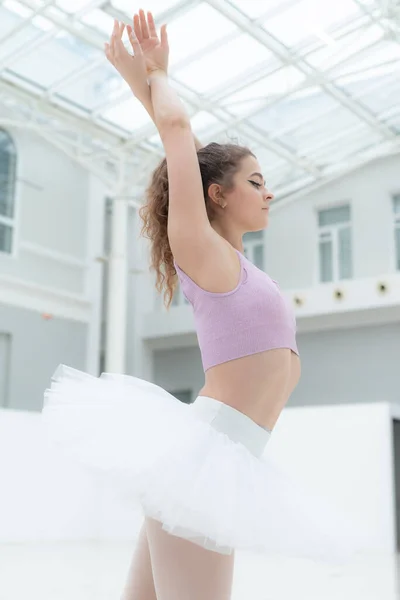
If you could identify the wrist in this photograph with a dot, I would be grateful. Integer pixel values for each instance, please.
(155, 73)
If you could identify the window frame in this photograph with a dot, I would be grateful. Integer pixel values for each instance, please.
(7, 221)
(396, 226)
(333, 230)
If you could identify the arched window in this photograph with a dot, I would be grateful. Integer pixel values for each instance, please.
(8, 160)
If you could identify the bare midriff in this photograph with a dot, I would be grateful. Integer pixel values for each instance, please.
(258, 385)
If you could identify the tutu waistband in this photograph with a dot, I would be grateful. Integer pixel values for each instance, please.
(235, 424)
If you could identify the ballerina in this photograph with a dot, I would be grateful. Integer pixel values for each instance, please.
(201, 472)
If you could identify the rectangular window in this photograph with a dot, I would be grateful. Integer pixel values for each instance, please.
(253, 246)
(335, 244)
(7, 191)
(6, 232)
(5, 358)
(396, 210)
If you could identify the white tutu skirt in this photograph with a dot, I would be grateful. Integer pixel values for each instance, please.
(201, 469)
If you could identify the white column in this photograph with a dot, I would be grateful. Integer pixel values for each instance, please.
(117, 288)
(94, 273)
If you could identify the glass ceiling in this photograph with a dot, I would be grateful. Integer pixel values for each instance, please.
(312, 87)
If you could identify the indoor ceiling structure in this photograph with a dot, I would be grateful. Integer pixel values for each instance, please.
(312, 87)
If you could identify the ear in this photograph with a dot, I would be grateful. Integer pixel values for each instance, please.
(215, 193)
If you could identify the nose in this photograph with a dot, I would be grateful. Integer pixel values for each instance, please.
(269, 196)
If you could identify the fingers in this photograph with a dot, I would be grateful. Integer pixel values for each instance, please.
(134, 41)
(107, 51)
(137, 28)
(152, 26)
(164, 36)
(143, 25)
(114, 48)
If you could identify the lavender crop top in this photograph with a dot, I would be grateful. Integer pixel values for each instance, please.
(252, 318)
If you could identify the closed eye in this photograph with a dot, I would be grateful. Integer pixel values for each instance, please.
(255, 183)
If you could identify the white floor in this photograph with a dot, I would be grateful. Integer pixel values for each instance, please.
(97, 571)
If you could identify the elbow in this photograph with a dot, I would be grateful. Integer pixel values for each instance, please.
(173, 123)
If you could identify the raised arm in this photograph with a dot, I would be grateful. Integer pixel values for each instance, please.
(192, 240)
(133, 68)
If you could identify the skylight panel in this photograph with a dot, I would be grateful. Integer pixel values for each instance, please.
(282, 82)
(128, 115)
(156, 7)
(72, 6)
(99, 86)
(197, 30)
(307, 19)
(255, 8)
(59, 56)
(226, 63)
(343, 49)
(99, 20)
(17, 8)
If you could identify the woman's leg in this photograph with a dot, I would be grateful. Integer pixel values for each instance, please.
(184, 570)
(140, 584)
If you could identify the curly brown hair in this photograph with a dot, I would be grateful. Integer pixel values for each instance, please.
(218, 164)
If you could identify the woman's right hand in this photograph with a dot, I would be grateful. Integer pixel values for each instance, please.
(155, 50)
(149, 53)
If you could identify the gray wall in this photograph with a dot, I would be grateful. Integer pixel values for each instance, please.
(349, 365)
(37, 348)
(396, 452)
(292, 234)
(52, 216)
(178, 370)
(51, 212)
(341, 366)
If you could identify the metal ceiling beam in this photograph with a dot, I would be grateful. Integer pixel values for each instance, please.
(99, 128)
(245, 128)
(71, 135)
(383, 18)
(168, 15)
(252, 77)
(79, 73)
(25, 22)
(235, 85)
(69, 119)
(289, 57)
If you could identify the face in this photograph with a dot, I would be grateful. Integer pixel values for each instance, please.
(248, 203)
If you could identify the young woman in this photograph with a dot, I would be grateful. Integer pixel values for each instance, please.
(198, 471)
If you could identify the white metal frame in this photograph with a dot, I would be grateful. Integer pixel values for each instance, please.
(30, 106)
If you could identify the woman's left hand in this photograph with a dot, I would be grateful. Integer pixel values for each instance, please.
(131, 68)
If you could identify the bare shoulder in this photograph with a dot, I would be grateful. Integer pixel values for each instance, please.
(211, 262)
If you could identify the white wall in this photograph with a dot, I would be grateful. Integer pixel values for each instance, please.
(51, 214)
(53, 270)
(292, 234)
